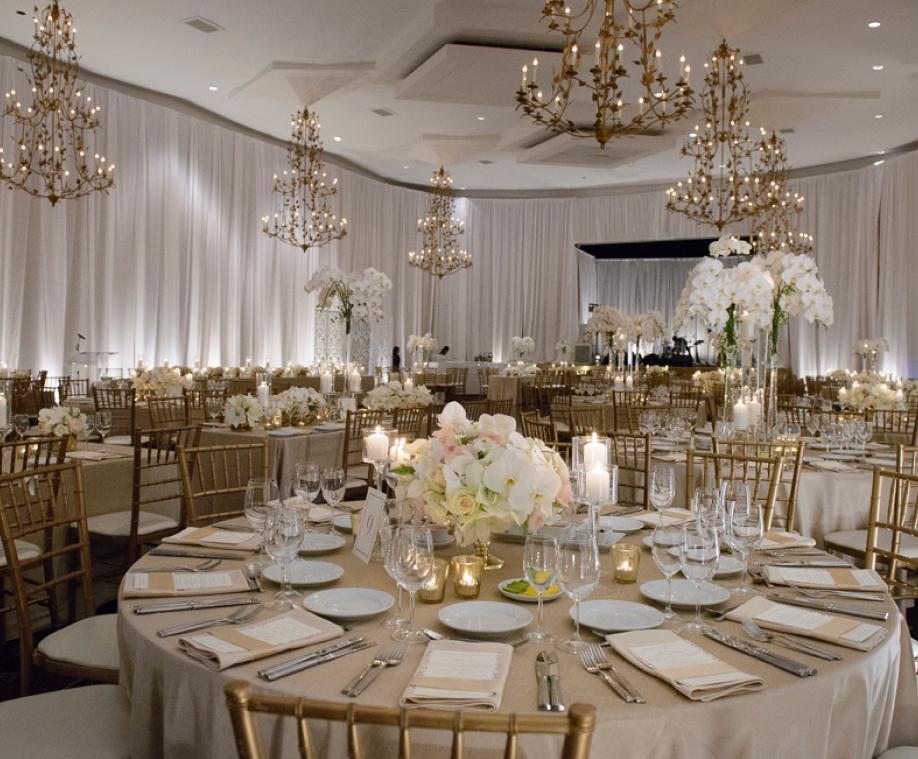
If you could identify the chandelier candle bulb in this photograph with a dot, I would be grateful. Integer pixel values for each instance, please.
(326, 382)
(597, 484)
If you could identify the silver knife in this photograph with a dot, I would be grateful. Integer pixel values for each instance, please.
(554, 682)
(815, 563)
(854, 611)
(204, 554)
(214, 603)
(541, 668)
(762, 654)
(312, 660)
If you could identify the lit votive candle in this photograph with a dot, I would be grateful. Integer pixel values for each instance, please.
(626, 558)
(466, 571)
(376, 445)
(434, 587)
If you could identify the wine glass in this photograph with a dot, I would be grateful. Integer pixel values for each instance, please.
(667, 542)
(413, 560)
(260, 496)
(21, 425)
(333, 486)
(540, 566)
(386, 543)
(698, 560)
(213, 406)
(578, 576)
(662, 486)
(102, 421)
(283, 535)
(307, 483)
(745, 528)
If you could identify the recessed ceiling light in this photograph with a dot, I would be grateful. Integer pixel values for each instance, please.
(480, 118)
(877, 163)
(878, 67)
(878, 115)
(213, 88)
(874, 24)
(336, 138)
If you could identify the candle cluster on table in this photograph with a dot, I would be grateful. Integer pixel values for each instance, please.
(747, 411)
(377, 445)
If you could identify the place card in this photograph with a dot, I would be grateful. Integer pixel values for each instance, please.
(372, 519)
(140, 584)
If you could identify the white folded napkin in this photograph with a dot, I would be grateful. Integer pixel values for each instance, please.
(779, 539)
(832, 578)
(690, 669)
(226, 646)
(140, 584)
(89, 456)
(668, 517)
(212, 537)
(456, 675)
(842, 631)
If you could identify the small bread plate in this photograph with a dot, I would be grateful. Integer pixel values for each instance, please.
(349, 603)
(528, 595)
(685, 594)
(305, 573)
(617, 616)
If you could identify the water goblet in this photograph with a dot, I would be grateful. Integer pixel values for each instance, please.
(667, 542)
(662, 486)
(578, 576)
(745, 529)
(334, 480)
(260, 497)
(386, 543)
(540, 566)
(698, 558)
(283, 535)
(413, 560)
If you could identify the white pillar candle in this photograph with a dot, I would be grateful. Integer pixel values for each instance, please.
(899, 396)
(397, 452)
(597, 484)
(264, 396)
(289, 371)
(842, 396)
(197, 363)
(629, 382)
(377, 445)
(166, 363)
(326, 382)
(189, 378)
(595, 452)
(740, 416)
(618, 380)
(755, 411)
(353, 381)
(746, 329)
(409, 384)
(4, 417)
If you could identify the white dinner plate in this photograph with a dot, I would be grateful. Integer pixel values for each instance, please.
(620, 524)
(485, 619)
(684, 593)
(315, 543)
(343, 523)
(818, 445)
(881, 461)
(305, 573)
(349, 603)
(287, 432)
(617, 616)
(502, 587)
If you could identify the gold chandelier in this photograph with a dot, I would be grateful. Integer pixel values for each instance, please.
(440, 253)
(53, 155)
(304, 218)
(722, 188)
(773, 227)
(606, 75)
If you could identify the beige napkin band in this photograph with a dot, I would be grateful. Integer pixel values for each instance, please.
(163, 582)
(696, 670)
(200, 535)
(842, 579)
(458, 684)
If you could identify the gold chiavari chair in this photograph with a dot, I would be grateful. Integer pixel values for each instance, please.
(214, 479)
(623, 403)
(895, 426)
(474, 409)
(458, 377)
(70, 386)
(504, 407)
(761, 474)
(785, 509)
(892, 532)
(586, 420)
(559, 410)
(484, 376)
(411, 423)
(358, 472)
(853, 543)
(795, 413)
(169, 411)
(533, 427)
(41, 505)
(530, 396)
(243, 703)
(632, 455)
(122, 404)
(202, 395)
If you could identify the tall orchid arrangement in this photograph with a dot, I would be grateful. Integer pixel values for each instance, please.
(798, 290)
(605, 322)
(358, 294)
(522, 347)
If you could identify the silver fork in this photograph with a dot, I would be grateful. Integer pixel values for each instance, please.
(782, 552)
(602, 661)
(391, 657)
(238, 617)
(762, 636)
(593, 668)
(204, 566)
(828, 593)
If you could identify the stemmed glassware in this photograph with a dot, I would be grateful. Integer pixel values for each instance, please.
(698, 561)
(540, 566)
(213, 406)
(21, 425)
(662, 486)
(744, 532)
(667, 544)
(334, 480)
(413, 560)
(283, 537)
(102, 421)
(387, 543)
(307, 484)
(578, 576)
(260, 497)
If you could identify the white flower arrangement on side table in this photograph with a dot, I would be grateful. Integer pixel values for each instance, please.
(242, 411)
(522, 347)
(302, 402)
(394, 395)
(62, 421)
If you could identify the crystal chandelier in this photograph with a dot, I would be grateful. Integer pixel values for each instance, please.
(304, 218)
(53, 155)
(605, 74)
(773, 227)
(440, 253)
(722, 188)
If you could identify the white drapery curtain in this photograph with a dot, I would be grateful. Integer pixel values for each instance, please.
(172, 262)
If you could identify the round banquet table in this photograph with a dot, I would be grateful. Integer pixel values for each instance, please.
(852, 709)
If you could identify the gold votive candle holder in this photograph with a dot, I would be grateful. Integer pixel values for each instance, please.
(466, 571)
(434, 587)
(626, 559)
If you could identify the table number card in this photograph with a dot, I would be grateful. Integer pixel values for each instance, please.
(371, 520)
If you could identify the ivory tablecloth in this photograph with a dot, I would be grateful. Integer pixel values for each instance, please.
(852, 709)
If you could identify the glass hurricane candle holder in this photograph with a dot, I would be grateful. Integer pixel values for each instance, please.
(626, 559)
(587, 450)
(376, 447)
(466, 571)
(434, 587)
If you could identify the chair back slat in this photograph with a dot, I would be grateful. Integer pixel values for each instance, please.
(17, 456)
(121, 402)
(214, 479)
(169, 411)
(892, 529)
(632, 455)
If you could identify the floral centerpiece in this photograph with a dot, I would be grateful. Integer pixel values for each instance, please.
(162, 381)
(426, 344)
(522, 347)
(650, 325)
(865, 396)
(520, 369)
(242, 411)
(483, 477)
(394, 395)
(728, 245)
(302, 403)
(605, 322)
(869, 350)
(63, 421)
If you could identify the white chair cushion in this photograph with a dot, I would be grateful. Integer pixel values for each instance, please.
(857, 540)
(90, 642)
(24, 550)
(900, 752)
(80, 723)
(118, 523)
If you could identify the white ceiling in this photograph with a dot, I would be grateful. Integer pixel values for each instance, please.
(440, 65)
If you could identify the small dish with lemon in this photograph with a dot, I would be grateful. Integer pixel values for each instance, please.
(519, 589)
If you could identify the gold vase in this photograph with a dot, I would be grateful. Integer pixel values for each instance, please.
(72, 443)
(482, 548)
